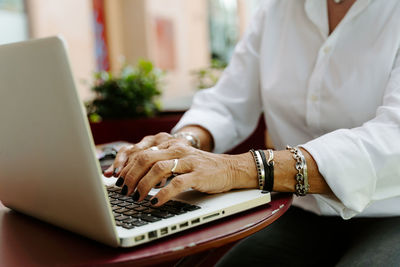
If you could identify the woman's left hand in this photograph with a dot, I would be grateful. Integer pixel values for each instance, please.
(196, 169)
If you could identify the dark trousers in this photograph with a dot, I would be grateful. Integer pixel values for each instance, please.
(301, 238)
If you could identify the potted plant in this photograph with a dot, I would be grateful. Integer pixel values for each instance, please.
(126, 106)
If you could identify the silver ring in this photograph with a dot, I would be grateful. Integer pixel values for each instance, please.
(154, 148)
(174, 167)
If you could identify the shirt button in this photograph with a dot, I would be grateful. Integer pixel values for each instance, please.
(327, 49)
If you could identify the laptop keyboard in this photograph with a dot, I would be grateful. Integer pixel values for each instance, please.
(130, 214)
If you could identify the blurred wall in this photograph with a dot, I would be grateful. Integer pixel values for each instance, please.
(73, 20)
(174, 35)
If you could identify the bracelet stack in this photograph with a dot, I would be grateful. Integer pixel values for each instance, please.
(302, 186)
(265, 169)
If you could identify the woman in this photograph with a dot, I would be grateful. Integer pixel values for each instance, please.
(326, 74)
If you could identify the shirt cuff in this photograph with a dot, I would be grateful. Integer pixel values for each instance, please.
(221, 129)
(344, 163)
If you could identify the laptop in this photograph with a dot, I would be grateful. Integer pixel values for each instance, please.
(48, 164)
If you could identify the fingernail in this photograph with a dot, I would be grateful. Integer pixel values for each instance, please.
(136, 196)
(124, 190)
(115, 172)
(120, 181)
(154, 201)
(158, 184)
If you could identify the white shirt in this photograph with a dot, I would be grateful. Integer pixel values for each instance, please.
(337, 95)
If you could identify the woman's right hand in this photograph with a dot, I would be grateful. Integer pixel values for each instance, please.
(123, 155)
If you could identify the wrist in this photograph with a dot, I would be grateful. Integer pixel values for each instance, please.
(245, 171)
(190, 137)
(205, 138)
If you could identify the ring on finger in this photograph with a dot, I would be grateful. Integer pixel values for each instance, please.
(154, 148)
(174, 167)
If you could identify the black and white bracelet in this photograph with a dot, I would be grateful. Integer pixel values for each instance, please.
(260, 168)
(265, 169)
(302, 187)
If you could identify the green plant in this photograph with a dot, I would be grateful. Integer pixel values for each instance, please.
(131, 94)
(208, 77)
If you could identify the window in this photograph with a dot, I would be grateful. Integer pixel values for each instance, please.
(13, 21)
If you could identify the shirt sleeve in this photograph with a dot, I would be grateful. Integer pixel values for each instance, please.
(231, 109)
(361, 165)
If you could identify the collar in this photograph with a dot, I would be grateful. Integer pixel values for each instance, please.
(317, 12)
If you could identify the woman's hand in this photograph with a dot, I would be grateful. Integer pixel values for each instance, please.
(203, 171)
(125, 152)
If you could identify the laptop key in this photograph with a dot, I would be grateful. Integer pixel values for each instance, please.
(121, 210)
(174, 210)
(149, 218)
(141, 209)
(114, 202)
(131, 212)
(128, 226)
(115, 208)
(132, 206)
(130, 220)
(113, 189)
(118, 223)
(162, 214)
(139, 223)
(121, 218)
(191, 207)
(123, 204)
(122, 197)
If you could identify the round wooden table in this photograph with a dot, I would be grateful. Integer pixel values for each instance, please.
(25, 241)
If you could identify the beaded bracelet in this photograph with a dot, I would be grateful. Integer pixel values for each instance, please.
(302, 186)
(260, 168)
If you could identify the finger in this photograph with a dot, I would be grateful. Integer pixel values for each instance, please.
(161, 184)
(173, 142)
(162, 137)
(120, 160)
(109, 171)
(146, 142)
(161, 170)
(177, 185)
(142, 162)
(152, 140)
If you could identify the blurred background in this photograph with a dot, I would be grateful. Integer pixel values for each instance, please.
(182, 37)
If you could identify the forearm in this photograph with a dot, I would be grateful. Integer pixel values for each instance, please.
(204, 136)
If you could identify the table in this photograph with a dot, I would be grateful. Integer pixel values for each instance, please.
(25, 241)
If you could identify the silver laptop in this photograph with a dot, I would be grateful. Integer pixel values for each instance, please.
(48, 165)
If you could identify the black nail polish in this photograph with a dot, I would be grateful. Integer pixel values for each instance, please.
(115, 172)
(120, 181)
(154, 201)
(124, 190)
(158, 184)
(136, 196)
